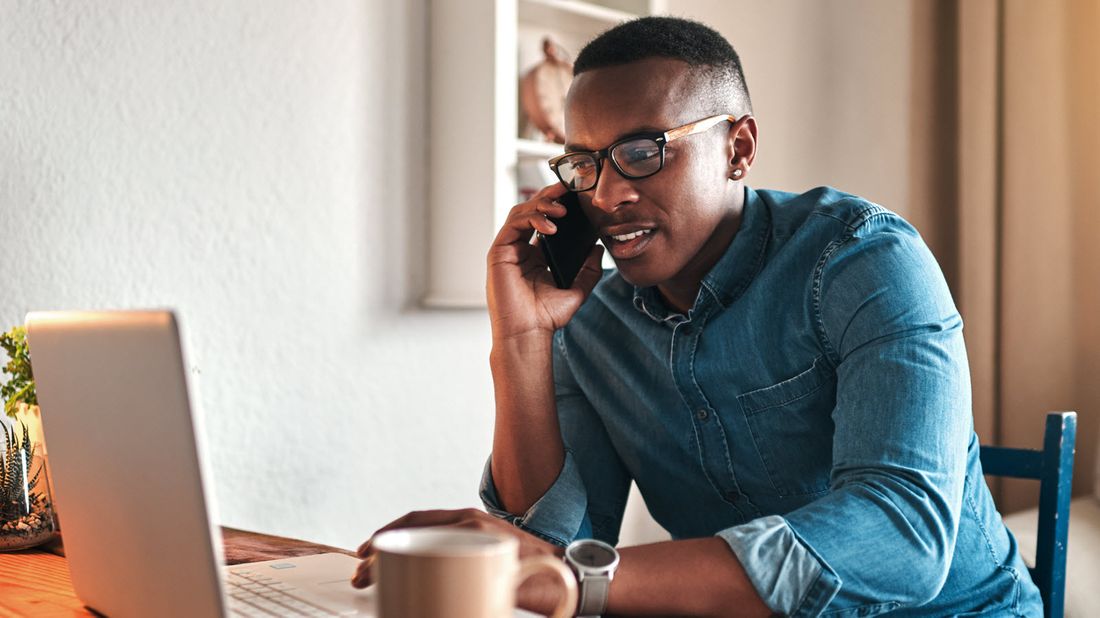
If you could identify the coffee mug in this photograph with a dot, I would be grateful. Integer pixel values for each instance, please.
(446, 572)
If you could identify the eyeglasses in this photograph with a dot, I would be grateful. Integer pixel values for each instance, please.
(635, 156)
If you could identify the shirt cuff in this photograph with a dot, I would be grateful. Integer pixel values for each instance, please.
(789, 577)
(558, 516)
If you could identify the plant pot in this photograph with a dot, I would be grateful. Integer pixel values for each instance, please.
(26, 503)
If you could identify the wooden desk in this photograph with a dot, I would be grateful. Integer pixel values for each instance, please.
(36, 582)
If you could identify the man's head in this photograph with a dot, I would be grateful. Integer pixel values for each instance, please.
(713, 61)
(651, 75)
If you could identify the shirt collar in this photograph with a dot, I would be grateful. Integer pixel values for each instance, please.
(733, 272)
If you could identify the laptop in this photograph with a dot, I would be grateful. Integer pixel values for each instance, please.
(128, 468)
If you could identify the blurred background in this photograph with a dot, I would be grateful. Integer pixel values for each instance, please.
(299, 181)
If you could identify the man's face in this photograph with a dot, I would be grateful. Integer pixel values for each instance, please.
(682, 205)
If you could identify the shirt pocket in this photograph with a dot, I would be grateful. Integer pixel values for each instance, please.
(792, 427)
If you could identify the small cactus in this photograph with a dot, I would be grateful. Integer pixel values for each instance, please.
(17, 485)
(26, 515)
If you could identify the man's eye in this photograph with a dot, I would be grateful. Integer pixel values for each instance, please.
(636, 154)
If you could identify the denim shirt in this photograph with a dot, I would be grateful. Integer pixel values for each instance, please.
(812, 409)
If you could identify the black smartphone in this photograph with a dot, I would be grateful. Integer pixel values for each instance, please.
(566, 250)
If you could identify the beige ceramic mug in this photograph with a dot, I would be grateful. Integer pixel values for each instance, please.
(445, 572)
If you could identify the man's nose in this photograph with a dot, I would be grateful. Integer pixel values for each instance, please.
(613, 191)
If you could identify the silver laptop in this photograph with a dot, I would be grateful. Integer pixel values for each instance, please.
(128, 474)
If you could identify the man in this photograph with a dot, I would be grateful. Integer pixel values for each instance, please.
(782, 375)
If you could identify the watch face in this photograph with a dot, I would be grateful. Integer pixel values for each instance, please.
(593, 555)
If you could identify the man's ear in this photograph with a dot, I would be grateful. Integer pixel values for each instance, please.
(741, 147)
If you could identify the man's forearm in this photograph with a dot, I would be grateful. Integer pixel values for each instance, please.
(694, 577)
(527, 446)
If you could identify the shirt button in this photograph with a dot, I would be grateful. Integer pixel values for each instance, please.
(702, 414)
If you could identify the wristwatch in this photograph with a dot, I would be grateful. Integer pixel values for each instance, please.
(594, 562)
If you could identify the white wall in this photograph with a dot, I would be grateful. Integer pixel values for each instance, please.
(258, 166)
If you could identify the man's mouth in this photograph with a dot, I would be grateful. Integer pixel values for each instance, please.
(628, 244)
(630, 236)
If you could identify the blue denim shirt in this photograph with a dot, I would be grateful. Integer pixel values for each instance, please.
(812, 409)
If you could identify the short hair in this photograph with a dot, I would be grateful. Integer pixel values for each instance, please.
(681, 39)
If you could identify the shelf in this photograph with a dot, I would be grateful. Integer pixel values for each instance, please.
(473, 108)
(587, 11)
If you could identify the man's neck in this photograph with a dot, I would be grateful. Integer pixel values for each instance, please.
(680, 292)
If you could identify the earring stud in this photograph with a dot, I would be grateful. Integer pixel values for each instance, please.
(737, 173)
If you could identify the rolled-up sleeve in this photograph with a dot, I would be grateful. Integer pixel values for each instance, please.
(558, 516)
(884, 535)
(784, 571)
(589, 495)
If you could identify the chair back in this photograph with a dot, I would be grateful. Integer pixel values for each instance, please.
(1053, 468)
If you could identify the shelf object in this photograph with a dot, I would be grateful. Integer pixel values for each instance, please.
(479, 49)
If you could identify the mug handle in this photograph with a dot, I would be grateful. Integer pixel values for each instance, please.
(530, 566)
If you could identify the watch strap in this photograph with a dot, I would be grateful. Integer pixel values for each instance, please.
(593, 593)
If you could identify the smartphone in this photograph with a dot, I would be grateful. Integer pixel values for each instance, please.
(566, 250)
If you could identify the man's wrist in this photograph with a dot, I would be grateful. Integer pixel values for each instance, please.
(524, 344)
(594, 563)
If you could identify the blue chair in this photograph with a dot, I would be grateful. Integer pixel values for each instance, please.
(1053, 468)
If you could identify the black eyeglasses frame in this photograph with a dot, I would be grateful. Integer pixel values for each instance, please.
(661, 139)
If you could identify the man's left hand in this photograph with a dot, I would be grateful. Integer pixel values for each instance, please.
(539, 593)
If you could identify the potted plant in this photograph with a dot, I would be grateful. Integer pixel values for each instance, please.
(26, 509)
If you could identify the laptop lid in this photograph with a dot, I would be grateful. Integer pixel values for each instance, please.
(127, 468)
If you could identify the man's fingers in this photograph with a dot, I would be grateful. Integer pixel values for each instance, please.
(418, 519)
(405, 521)
(472, 519)
(519, 226)
(553, 191)
(526, 216)
(551, 209)
(536, 221)
(362, 577)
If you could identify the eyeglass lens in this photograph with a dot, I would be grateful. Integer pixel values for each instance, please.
(636, 158)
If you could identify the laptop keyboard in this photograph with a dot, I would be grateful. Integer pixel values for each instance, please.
(252, 594)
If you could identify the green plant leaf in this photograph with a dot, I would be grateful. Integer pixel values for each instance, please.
(19, 388)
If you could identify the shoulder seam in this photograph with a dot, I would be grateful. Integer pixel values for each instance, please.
(862, 216)
(829, 352)
(869, 213)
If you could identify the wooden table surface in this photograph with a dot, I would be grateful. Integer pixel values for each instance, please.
(35, 582)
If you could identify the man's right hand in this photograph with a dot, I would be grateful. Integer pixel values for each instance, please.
(522, 297)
